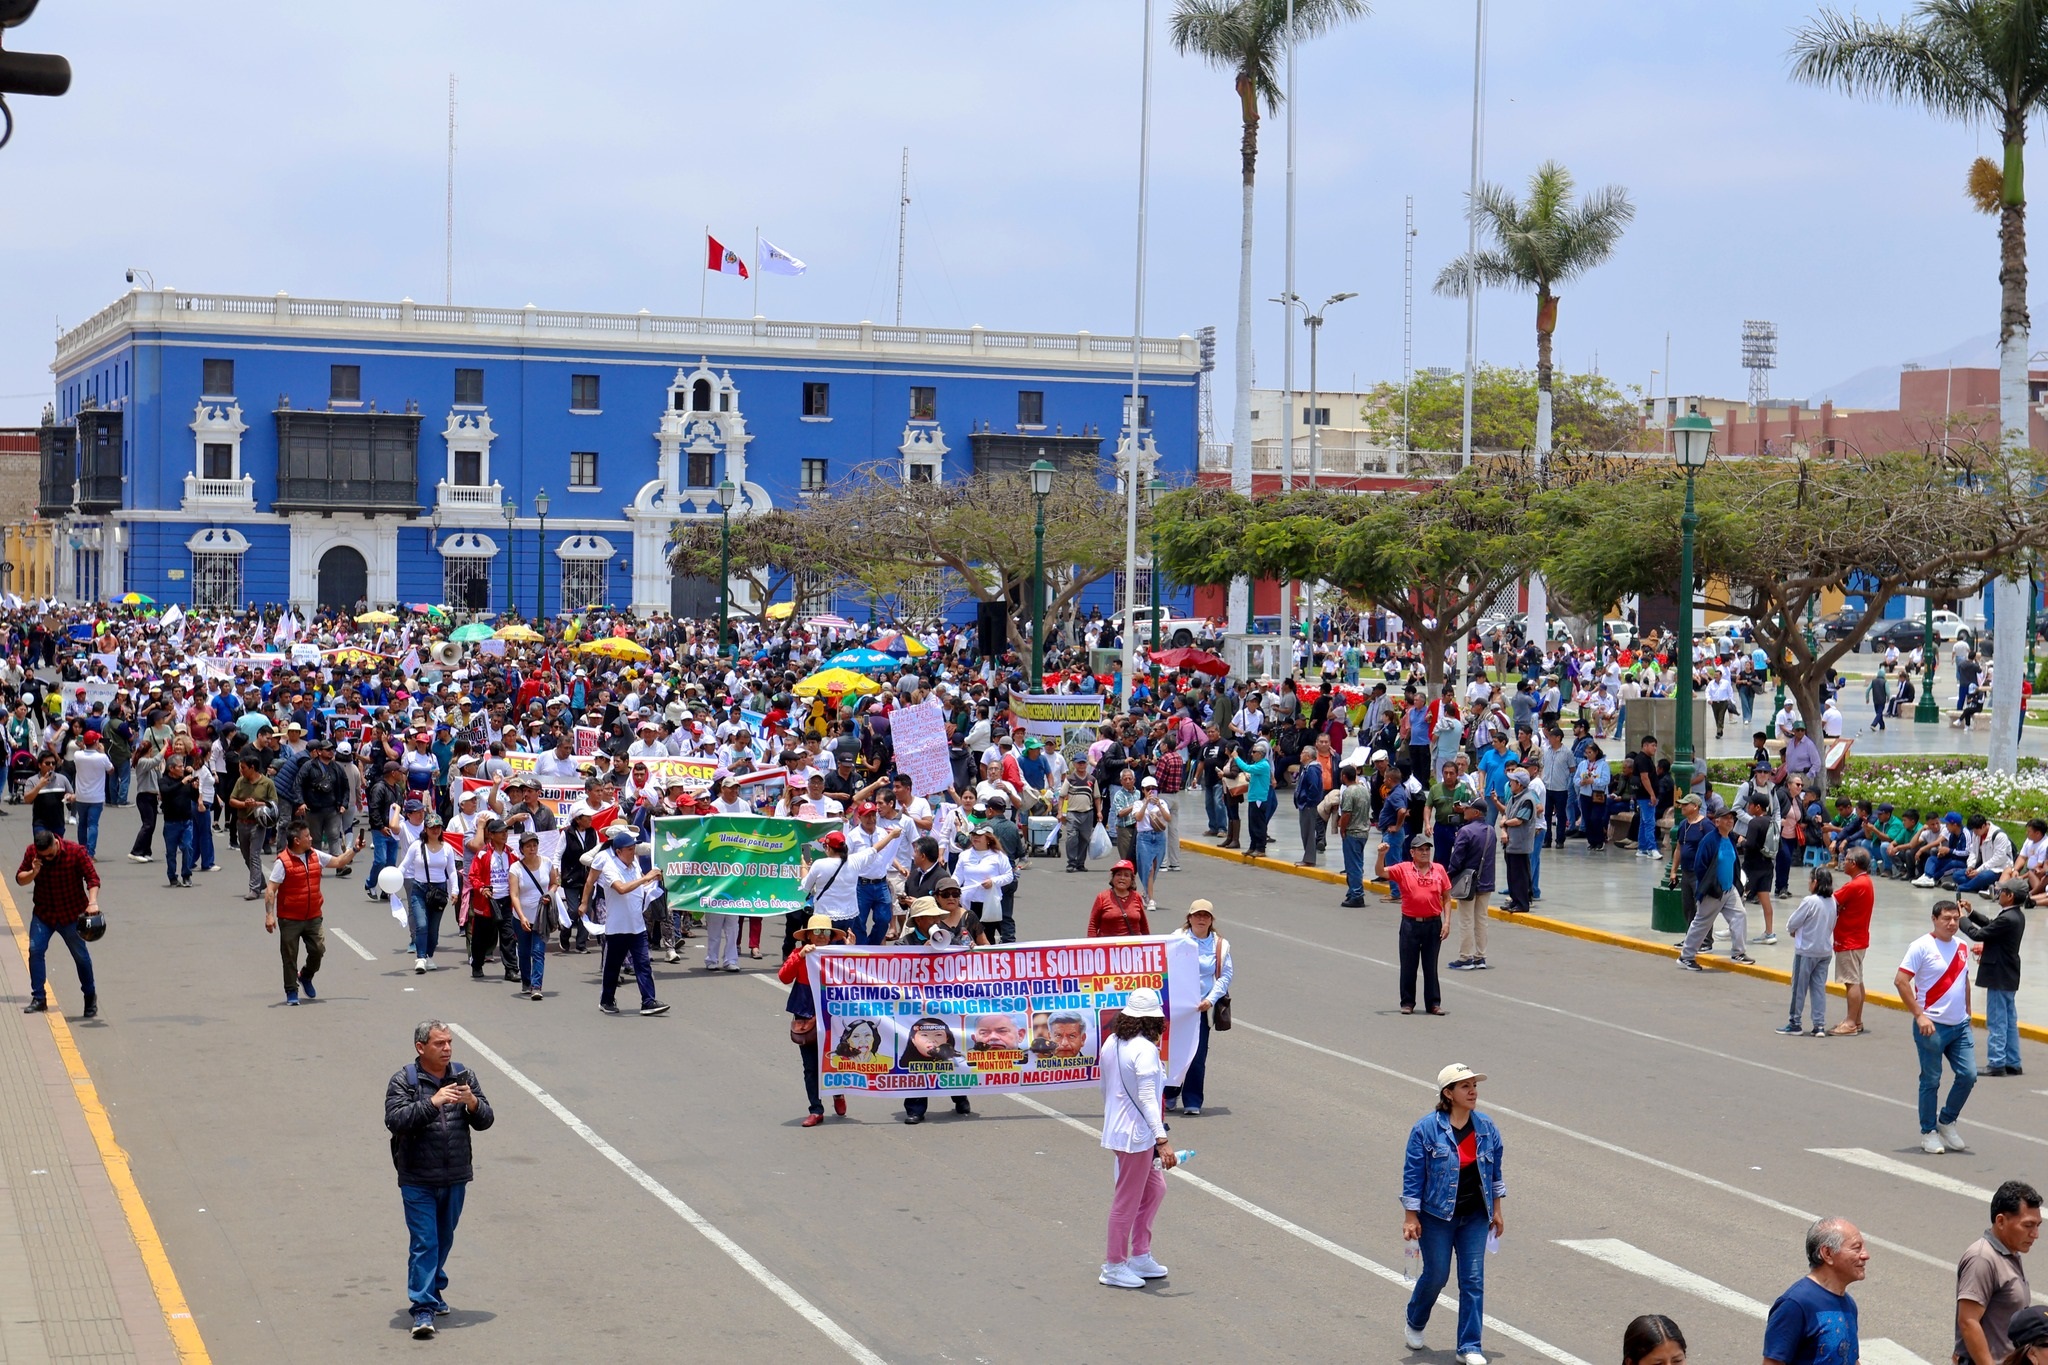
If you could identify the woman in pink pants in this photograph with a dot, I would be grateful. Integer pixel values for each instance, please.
(1134, 1128)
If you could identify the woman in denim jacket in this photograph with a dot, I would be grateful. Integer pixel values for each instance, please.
(1452, 1190)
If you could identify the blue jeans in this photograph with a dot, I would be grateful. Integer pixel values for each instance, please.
(1982, 881)
(1952, 1041)
(426, 925)
(1354, 867)
(533, 953)
(383, 854)
(1189, 1092)
(178, 840)
(872, 922)
(1948, 864)
(202, 842)
(619, 950)
(2001, 1029)
(1810, 978)
(89, 825)
(117, 784)
(1441, 1239)
(431, 1213)
(1536, 870)
(1646, 826)
(1396, 840)
(1151, 853)
(1216, 808)
(39, 936)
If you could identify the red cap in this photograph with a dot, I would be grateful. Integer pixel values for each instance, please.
(1123, 865)
(866, 808)
(835, 840)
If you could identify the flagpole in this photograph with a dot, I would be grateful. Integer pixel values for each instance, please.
(704, 279)
(757, 270)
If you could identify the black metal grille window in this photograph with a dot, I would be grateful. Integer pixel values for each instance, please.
(466, 582)
(217, 378)
(59, 449)
(469, 388)
(216, 579)
(586, 583)
(347, 461)
(1000, 453)
(99, 460)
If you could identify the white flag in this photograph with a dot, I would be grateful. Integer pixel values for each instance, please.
(172, 615)
(775, 260)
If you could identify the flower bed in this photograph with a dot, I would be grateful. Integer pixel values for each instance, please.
(1938, 783)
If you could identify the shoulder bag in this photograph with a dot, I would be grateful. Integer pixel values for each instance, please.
(1219, 1013)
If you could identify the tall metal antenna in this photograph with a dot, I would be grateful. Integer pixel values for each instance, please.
(448, 266)
(1205, 387)
(902, 219)
(1407, 322)
(1759, 357)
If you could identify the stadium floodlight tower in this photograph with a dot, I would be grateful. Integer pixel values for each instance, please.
(1759, 357)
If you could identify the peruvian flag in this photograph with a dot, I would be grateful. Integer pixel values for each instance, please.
(722, 260)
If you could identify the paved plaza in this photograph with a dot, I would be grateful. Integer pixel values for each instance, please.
(647, 1180)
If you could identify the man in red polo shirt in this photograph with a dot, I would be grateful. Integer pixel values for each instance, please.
(1853, 901)
(1424, 888)
(67, 889)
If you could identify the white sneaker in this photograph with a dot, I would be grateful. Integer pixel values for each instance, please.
(1145, 1268)
(1931, 1144)
(419, 966)
(674, 956)
(1950, 1138)
(1471, 1358)
(1120, 1276)
(1413, 1338)
(1923, 882)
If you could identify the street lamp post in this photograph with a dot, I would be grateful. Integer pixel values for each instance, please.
(511, 515)
(1152, 492)
(1041, 488)
(1314, 323)
(1927, 711)
(540, 567)
(1692, 438)
(726, 493)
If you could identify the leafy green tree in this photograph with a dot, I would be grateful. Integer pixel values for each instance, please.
(1590, 412)
(1978, 62)
(1538, 244)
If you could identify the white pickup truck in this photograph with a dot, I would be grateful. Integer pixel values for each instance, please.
(1176, 632)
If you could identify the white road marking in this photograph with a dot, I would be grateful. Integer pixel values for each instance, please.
(1616, 1149)
(1789, 1073)
(768, 1279)
(1636, 1261)
(1904, 1170)
(364, 953)
(1320, 1242)
(1622, 1256)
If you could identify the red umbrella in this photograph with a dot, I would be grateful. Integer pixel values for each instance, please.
(1199, 660)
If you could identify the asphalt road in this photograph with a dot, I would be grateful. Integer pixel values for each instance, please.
(1652, 1118)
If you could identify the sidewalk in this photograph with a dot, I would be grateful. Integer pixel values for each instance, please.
(74, 1284)
(1610, 890)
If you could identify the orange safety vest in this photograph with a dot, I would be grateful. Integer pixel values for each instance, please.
(299, 895)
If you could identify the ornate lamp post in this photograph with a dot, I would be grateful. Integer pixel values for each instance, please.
(540, 567)
(511, 515)
(1692, 439)
(726, 494)
(1041, 488)
(1152, 492)
(1927, 711)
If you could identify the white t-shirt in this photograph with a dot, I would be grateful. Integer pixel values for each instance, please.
(1928, 959)
(92, 767)
(1131, 1082)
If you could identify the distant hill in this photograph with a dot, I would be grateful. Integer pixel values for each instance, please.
(1878, 386)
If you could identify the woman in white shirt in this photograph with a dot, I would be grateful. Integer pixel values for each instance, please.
(533, 882)
(431, 868)
(1216, 972)
(1134, 1127)
(983, 871)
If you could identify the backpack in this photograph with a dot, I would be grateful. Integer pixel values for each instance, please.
(317, 780)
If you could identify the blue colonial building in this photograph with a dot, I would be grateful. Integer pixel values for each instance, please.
(215, 449)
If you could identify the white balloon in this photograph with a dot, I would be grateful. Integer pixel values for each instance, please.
(390, 881)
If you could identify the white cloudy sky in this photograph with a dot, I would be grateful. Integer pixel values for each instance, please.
(252, 147)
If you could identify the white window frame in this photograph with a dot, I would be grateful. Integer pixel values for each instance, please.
(216, 580)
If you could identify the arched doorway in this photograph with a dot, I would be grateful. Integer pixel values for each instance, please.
(344, 578)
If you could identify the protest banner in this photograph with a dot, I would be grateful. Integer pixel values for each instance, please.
(919, 733)
(925, 1021)
(1070, 722)
(587, 740)
(100, 694)
(556, 796)
(734, 864)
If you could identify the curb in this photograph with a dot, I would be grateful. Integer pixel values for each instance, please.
(1871, 995)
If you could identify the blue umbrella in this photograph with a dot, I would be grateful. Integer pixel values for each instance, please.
(862, 661)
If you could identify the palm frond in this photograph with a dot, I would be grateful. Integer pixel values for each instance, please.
(1488, 269)
(1929, 64)
(1313, 18)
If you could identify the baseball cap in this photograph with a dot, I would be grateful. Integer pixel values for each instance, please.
(1123, 865)
(412, 806)
(836, 841)
(1455, 1072)
(1376, 756)
(620, 839)
(1424, 842)
(1149, 782)
(2028, 1327)
(1143, 1003)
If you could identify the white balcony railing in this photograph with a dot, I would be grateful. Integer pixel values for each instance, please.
(471, 495)
(221, 494)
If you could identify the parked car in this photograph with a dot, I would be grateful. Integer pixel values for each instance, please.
(1728, 627)
(1620, 631)
(1177, 631)
(1837, 625)
(1907, 632)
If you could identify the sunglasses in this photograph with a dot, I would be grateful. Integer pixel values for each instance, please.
(946, 895)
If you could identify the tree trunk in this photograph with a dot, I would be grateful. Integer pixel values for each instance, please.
(1538, 624)
(1241, 419)
(2008, 596)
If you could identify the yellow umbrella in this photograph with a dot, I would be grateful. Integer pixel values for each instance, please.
(834, 682)
(618, 647)
(525, 634)
(375, 618)
(780, 611)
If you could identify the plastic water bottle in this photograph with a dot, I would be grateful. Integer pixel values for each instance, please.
(1411, 1261)
(1183, 1157)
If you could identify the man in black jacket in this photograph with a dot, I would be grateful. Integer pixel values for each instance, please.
(430, 1106)
(1998, 973)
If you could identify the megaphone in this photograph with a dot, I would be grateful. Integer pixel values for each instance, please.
(447, 653)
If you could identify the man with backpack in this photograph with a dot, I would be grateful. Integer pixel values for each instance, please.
(321, 789)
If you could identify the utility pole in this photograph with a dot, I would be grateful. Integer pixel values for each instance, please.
(1407, 329)
(1472, 221)
(1134, 411)
(902, 222)
(448, 267)
(1287, 356)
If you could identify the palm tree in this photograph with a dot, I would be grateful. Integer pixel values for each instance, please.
(1248, 38)
(1967, 60)
(1539, 245)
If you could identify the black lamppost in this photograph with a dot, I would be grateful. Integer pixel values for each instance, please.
(1152, 492)
(1041, 488)
(726, 494)
(540, 568)
(511, 515)
(1692, 437)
